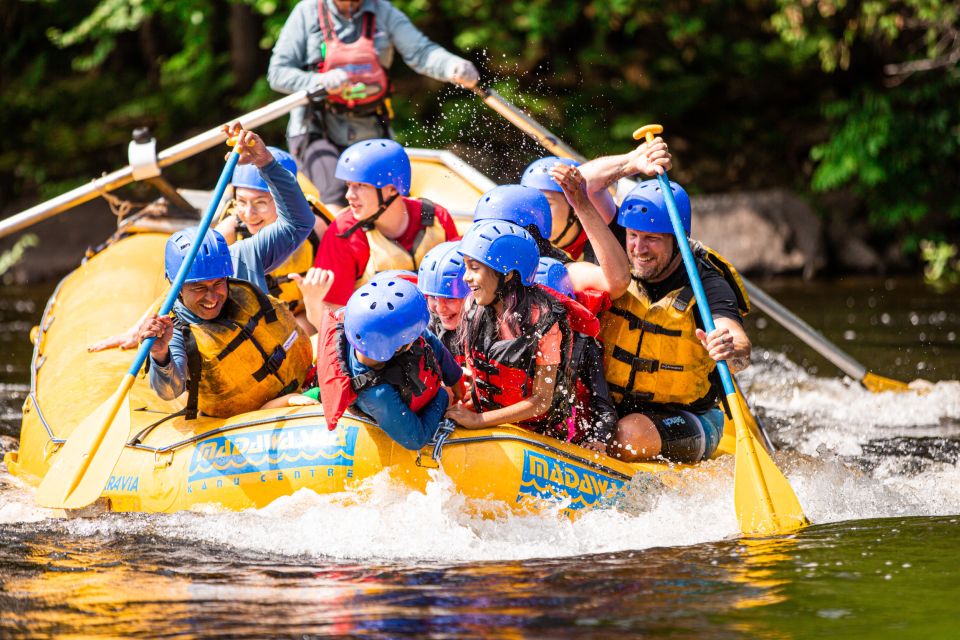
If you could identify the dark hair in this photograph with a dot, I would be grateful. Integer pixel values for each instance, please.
(518, 301)
(545, 247)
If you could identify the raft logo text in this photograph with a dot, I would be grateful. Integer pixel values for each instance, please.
(272, 450)
(551, 478)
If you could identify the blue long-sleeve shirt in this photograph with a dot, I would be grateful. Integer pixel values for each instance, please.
(384, 404)
(253, 258)
(293, 64)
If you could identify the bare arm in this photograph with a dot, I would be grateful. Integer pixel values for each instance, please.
(649, 159)
(613, 273)
(728, 341)
(314, 287)
(544, 385)
(228, 228)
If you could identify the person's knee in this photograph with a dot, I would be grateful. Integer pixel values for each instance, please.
(636, 438)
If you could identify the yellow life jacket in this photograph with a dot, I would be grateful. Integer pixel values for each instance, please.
(279, 283)
(386, 254)
(252, 353)
(651, 351)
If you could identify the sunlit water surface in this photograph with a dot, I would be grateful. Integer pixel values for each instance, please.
(877, 474)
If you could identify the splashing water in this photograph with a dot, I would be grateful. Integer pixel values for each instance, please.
(820, 420)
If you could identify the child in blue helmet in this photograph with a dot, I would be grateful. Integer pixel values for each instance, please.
(440, 278)
(378, 357)
(515, 336)
(594, 419)
(568, 232)
(525, 207)
(382, 229)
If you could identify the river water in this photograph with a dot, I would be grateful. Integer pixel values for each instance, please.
(877, 474)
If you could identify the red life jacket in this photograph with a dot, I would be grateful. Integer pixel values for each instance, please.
(595, 300)
(504, 370)
(576, 246)
(359, 59)
(415, 373)
(581, 318)
(582, 315)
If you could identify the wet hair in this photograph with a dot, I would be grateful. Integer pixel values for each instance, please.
(518, 301)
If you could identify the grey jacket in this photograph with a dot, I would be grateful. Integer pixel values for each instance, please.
(293, 65)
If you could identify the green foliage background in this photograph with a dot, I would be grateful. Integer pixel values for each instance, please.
(816, 96)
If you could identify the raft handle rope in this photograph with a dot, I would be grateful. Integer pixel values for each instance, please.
(319, 414)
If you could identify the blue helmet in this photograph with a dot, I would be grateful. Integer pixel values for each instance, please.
(403, 274)
(552, 273)
(213, 259)
(384, 315)
(378, 162)
(248, 176)
(502, 246)
(515, 203)
(441, 272)
(644, 209)
(537, 173)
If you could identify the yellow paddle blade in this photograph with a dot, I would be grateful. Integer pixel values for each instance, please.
(763, 498)
(84, 463)
(876, 383)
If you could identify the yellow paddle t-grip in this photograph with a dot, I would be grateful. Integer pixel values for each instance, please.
(648, 132)
(232, 142)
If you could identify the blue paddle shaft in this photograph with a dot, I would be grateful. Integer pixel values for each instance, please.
(693, 275)
(205, 223)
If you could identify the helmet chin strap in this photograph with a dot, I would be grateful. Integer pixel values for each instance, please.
(368, 223)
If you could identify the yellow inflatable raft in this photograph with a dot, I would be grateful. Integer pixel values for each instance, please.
(249, 460)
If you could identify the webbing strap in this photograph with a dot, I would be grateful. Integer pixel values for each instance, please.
(634, 322)
(642, 365)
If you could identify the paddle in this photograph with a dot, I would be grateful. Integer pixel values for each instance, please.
(763, 498)
(814, 339)
(790, 321)
(81, 469)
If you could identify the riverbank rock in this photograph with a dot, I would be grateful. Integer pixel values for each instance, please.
(762, 232)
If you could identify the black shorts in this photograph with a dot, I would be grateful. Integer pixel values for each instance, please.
(686, 436)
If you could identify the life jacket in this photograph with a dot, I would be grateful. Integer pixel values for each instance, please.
(596, 301)
(279, 283)
(252, 353)
(652, 354)
(504, 370)
(415, 373)
(358, 58)
(576, 247)
(449, 339)
(387, 254)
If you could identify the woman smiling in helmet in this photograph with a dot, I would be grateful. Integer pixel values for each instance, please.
(254, 209)
(440, 278)
(515, 336)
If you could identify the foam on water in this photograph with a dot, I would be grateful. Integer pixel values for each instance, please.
(814, 415)
(825, 423)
